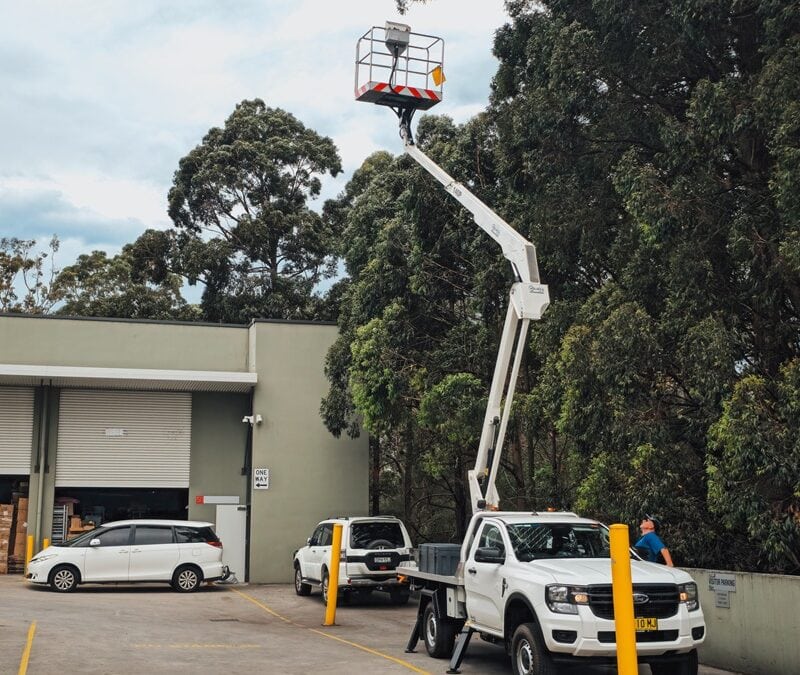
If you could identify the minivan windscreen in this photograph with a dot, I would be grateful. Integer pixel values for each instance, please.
(376, 535)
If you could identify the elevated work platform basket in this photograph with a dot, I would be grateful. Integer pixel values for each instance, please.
(398, 68)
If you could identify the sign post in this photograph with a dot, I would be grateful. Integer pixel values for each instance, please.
(333, 577)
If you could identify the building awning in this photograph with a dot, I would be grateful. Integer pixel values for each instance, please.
(126, 378)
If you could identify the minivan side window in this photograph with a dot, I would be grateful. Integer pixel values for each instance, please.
(193, 535)
(119, 536)
(152, 534)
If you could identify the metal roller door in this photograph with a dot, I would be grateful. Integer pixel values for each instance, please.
(16, 430)
(123, 439)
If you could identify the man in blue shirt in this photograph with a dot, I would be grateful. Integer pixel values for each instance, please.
(651, 543)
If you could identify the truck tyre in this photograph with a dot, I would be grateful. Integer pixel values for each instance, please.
(438, 633)
(300, 587)
(687, 666)
(529, 656)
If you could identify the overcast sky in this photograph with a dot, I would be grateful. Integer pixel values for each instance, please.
(101, 98)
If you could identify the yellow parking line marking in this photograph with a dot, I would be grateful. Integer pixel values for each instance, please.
(405, 664)
(23, 664)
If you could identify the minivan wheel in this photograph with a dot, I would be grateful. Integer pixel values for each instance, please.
(63, 579)
(186, 579)
(300, 587)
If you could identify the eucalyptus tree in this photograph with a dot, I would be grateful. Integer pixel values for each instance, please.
(651, 151)
(136, 283)
(239, 203)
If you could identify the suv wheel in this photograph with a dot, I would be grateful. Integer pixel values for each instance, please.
(300, 587)
(529, 656)
(324, 586)
(399, 596)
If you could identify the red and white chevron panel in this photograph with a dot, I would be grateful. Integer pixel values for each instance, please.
(383, 94)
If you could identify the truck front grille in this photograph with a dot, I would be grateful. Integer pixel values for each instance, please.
(609, 636)
(662, 600)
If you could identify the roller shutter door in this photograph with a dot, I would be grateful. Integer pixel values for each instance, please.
(16, 430)
(123, 439)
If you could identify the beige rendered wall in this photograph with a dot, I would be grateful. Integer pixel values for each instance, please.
(219, 440)
(760, 633)
(312, 474)
(122, 344)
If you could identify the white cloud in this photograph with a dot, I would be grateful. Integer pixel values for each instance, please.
(105, 98)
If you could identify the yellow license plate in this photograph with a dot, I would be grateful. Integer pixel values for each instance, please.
(646, 624)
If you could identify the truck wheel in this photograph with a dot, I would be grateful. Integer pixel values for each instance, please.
(529, 656)
(439, 634)
(300, 587)
(688, 666)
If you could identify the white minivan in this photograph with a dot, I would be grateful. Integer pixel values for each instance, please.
(183, 553)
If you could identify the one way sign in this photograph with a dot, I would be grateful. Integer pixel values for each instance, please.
(261, 479)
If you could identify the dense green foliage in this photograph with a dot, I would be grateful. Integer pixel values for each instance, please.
(650, 151)
(239, 204)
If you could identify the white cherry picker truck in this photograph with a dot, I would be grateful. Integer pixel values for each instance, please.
(539, 584)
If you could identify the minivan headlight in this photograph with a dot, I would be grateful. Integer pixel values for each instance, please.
(42, 558)
(688, 595)
(565, 599)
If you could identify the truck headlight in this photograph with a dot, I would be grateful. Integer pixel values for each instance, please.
(688, 595)
(565, 599)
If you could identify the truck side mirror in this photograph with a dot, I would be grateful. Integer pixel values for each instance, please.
(489, 554)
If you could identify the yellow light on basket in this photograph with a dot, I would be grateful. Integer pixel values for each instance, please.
(438, 76)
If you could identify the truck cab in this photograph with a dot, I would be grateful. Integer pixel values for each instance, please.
(541, 583)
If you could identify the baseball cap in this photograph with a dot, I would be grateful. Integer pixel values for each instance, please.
(656, 522)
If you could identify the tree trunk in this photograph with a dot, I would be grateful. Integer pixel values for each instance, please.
(375, 476)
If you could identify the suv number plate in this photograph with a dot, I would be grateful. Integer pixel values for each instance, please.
(383, 559)
(643, 624)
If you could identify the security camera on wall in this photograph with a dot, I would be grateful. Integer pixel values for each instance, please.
(247, 419)
(252, 419)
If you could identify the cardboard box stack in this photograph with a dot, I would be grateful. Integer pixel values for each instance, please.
(6, 523)
(21, 528)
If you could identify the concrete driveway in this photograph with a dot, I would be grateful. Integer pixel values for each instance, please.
(220, 629)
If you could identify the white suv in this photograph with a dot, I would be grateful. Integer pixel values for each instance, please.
(183, 553)
(372, 547)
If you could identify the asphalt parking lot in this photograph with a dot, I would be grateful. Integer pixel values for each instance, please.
(151, 629)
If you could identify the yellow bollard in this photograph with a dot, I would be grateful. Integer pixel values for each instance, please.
(333, 579)
(28, 551)
(623, 600)
(45, 543)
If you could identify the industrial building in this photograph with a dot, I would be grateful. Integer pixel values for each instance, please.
(106, 419)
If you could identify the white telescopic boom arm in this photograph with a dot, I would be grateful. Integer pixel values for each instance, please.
(528, 300)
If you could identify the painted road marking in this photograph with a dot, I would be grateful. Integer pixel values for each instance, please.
(194, 645)
(23, 664)
(405, 664)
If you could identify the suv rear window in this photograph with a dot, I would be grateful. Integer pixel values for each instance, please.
(194, 535)
(376, 535)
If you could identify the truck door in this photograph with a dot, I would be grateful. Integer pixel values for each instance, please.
(484, 580)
